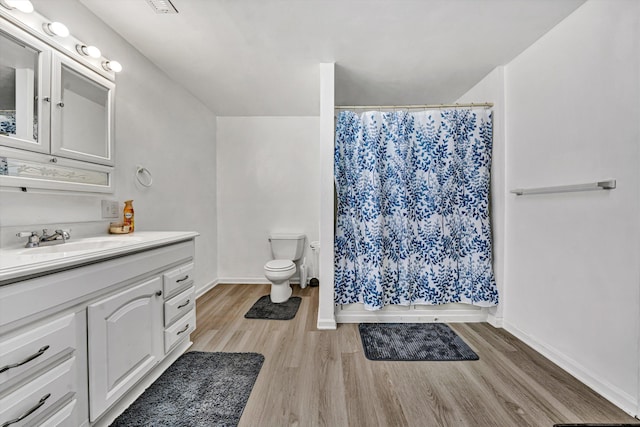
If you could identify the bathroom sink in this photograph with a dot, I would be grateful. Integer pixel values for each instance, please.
(17, 261)
(82, 245)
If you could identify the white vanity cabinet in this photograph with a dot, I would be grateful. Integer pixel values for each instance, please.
(78, 346)
(56, 114)
(125, 341)
(25, 70)
(81, 113)
(52, 104)
(43, 372)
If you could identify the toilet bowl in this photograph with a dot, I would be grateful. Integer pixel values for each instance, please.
(278, 272)
(286, 249)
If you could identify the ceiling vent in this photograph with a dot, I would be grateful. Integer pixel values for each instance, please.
(162, 6)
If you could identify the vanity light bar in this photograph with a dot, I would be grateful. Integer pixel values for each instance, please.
(61, 35)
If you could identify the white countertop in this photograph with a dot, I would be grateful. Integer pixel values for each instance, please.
(24, 262)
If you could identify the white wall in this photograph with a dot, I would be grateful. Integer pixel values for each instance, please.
(572, 276)
(326, 300)
(158, 125)
(491, 89)
(268, 181)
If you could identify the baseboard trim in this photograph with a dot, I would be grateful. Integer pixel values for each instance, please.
(410, 315)
(251, 281)
(496, 322)
(243, 280)
(327, 324)
(207, 288)
(601, 386)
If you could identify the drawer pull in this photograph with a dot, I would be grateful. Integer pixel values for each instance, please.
(28, 359)
(29, 412)
(186, 303)
(183, 330)
(183, 279)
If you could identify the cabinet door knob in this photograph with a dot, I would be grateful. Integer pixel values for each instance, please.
(53, 160)
(46, 99)
(61, 104)
(159, 293)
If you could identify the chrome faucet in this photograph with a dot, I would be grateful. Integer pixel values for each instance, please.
(44, 239)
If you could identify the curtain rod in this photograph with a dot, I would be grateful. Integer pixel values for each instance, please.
(426, 106)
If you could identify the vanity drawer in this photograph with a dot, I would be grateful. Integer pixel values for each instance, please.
(179, 305)
(28, 348)
(177, 279)
(64, 416)
(34, 398)
(179, 330)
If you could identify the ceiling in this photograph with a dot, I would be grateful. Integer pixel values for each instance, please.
(260, 57)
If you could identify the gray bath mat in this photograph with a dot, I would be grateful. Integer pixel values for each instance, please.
(199, 389)
(413, 342)
(265, 309)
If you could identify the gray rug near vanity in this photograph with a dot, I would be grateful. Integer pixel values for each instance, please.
(199, 389)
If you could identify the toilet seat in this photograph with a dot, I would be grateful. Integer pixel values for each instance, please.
(279, 271)
(279, 265)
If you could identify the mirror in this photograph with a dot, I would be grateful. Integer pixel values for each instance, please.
(85, 114)
(18, 89)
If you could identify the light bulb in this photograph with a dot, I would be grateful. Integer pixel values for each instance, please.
(56, 29)
(24, 6)
(91, 51)
(94, 52)
(114, 66)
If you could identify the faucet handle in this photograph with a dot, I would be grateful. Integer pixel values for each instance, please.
(64, 233)
(34, 239)
(26, 234)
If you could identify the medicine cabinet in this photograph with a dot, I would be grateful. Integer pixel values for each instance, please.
(56, 117)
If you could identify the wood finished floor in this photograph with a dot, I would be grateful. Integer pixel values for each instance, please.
(322, 378)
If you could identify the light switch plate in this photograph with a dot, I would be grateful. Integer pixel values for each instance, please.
(110, 209)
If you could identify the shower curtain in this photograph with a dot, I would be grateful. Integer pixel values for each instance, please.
(413, 208)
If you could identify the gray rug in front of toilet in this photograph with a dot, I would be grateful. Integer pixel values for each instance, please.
(198, 390)
(265, 309)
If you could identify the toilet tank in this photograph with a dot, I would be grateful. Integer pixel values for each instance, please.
(287, 245)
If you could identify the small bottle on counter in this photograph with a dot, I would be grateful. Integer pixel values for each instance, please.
(128, 215)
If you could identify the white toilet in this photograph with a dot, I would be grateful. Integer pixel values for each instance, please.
(285, 250)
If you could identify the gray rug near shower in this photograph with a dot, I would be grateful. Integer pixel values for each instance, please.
(265, 309)
(199, 389)
(413, 342)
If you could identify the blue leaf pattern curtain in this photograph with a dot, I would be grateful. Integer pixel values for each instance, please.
(413, 208)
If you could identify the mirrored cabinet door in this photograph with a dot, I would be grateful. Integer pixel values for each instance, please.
(25, 65)
(81, 116)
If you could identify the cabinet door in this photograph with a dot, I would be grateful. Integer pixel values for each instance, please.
(81, 113)
(125, 342)
(25, 67)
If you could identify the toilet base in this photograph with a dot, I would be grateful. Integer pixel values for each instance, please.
(280, 292)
